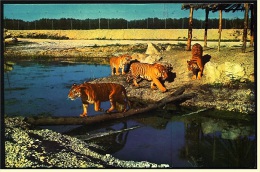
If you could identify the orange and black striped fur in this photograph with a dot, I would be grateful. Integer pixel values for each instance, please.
(151, 72)
(119, 62)
(97, 93)
(195, 64)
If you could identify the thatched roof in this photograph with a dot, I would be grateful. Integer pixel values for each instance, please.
(215, 7)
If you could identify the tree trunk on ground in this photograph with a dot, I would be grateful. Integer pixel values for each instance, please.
(176, 97)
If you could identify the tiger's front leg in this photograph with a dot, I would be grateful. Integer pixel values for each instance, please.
(117, 71)
(153, 87)
(112, 71)
(123, 70)
(159, 85)
(85, 110)
(199, 75)
(135, 82)
(194, 75)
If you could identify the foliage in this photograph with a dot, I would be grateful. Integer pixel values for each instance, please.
(103, 23)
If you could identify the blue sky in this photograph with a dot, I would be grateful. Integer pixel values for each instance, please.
(31, 12)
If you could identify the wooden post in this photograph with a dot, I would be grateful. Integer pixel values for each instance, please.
(206, 26)
(190, 30)
(252, 25)
(245, 28)
(220, 28)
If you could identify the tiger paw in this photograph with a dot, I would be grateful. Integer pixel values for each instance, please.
(153, 87)
(107, 111)
(164, 90)
(101, 110)
(194, 77)
(83, 115)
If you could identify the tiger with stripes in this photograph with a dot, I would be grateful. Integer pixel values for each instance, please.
(119, 62)
(95, 93)
(195, 63)
(150, 72)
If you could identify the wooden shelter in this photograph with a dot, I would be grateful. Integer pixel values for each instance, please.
(221, 7)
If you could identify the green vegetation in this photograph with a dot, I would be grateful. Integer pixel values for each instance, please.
(102, 23)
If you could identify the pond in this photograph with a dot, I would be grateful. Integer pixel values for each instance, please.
(42, 88)
(164, 136)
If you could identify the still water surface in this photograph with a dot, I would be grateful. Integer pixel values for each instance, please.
(163, 137)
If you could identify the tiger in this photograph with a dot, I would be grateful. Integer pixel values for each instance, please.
(151, 72)
(119, 62)
(195, 64)
(95, 93)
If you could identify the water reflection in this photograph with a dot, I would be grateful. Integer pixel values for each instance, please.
(109, 144)
(182, 142)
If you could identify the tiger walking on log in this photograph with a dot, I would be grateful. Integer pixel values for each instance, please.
(97, 93)
(195, 64)
(151, 72)
(119, 62)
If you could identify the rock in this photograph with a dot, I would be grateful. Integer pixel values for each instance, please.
(139, 57)
(211, 72)
(152, 49)
(143, 58)
(224, 73)
(234, 71)
(168, 48)
(152, 58)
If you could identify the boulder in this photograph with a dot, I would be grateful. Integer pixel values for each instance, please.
(234, 71)
(152, 49)
(143, 58)
(211, 72)
(169, 47)
(224, 73)
(152, 58)
(139, 57)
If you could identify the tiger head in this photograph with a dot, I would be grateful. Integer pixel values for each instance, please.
(197, 50)
(126, 59)
(162, 71)
(75, 92)
(192, 65)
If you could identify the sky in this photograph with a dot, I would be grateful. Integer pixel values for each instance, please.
(31, 12)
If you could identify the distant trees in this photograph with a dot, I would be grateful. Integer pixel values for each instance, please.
(118, 23)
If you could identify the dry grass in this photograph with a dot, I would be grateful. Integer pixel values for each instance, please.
(134, 34)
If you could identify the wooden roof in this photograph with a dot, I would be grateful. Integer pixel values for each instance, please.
(215, 7)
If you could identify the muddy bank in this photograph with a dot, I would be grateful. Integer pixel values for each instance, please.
(27, 147)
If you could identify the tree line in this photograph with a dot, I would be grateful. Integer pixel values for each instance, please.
(103, 23)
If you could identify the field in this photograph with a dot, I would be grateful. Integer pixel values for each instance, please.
(131, 34)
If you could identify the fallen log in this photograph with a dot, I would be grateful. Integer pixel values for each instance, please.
(198, 111)
(102, 134)
(175, 97)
